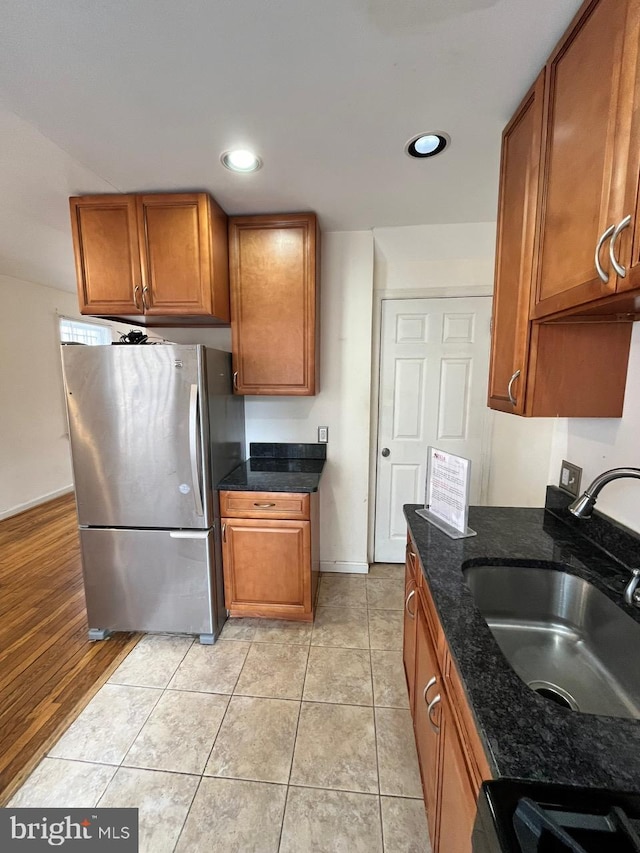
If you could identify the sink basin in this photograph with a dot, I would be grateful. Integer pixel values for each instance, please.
(562, 636)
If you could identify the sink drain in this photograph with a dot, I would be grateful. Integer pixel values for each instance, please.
(554, 693)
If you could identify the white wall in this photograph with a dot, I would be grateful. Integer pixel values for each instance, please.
(36, 178)
(430, 256)
(458, 260)
(599, 444)
(342, 404)
(34, 448)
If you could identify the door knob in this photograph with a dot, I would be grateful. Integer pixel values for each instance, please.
(385, 451)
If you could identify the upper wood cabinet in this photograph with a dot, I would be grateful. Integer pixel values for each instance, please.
(273, 263)
(155, 258)
(543, 369)
(511, 327)
(588, 191)
(569, 174)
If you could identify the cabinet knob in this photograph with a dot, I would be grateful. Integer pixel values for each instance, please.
(386, 452)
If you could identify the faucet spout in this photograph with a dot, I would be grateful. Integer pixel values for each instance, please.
(582, 507)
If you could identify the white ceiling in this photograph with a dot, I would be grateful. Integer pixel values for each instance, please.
(146, 94)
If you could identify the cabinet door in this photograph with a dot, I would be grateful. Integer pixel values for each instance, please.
(273, 303)
(105, 243)
(176, 262)
(427, 739)
(585, 148)
(457, 800)
(514, 254)
(267, 567)
(409, 632)
(627, 248)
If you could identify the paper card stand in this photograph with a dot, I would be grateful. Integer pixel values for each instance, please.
(447, 493)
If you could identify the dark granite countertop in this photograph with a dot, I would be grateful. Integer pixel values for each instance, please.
(278, 468)
(525, 735)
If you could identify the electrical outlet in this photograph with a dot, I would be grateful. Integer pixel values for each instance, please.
(570, 476)
(323, 435)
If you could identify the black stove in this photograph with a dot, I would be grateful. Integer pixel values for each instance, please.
(532, 817)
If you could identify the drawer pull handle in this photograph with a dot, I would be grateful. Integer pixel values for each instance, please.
(512, 399)
(136, 291)
(434, 726)
(235, 380)
(604, 276)
(433, 680)
(612, 246)
(145, 301)
(263, 506)
(224, 531)
(412, 615)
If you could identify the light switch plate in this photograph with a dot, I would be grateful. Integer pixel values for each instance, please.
(570, 476)
(323, 435)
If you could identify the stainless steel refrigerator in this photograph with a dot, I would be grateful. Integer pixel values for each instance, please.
(153, 428)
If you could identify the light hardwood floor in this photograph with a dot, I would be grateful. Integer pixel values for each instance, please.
(48, 668)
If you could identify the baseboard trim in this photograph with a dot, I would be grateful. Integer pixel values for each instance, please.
(344, 568)
(43, 499)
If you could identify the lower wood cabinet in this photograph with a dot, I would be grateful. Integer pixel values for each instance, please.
(427, 718)
(270, 563)
(409, 650)
(452, 761)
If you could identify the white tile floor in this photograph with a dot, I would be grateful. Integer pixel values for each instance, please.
(281, 737)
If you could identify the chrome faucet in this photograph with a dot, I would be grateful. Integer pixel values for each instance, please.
(582, 507)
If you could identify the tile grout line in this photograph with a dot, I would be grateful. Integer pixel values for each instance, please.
(295, 736)
(375, 727)
(186, 817)
(163, 691)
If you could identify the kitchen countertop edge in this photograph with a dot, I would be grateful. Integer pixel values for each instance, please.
(525, 736)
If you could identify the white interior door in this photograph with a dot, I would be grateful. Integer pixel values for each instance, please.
(434, 365)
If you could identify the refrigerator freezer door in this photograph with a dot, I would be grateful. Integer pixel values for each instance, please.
(149, 580)
(137, 416)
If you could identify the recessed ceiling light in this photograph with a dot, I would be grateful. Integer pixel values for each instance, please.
(241, 160)
(427, 144)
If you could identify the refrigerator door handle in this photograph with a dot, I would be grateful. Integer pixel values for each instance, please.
(193, 449)
(189, 534)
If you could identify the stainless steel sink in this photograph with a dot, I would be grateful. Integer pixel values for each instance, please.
(562, 636)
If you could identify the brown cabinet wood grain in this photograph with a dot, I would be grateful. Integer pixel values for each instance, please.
(107, 254)
(514, 254)
(567, 282)
(274, 303)
(265, 505)
(450, 754)
(157, 258)
(270, 565)
(409, 632)
(590, 156)
(553, 369)
(428, 686)
(457, 796)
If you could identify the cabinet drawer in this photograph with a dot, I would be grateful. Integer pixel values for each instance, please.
(265, 505)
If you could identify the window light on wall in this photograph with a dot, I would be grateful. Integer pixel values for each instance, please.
(81, 332)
